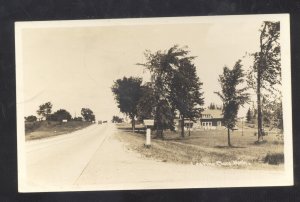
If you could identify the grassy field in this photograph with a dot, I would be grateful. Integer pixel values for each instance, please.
(43, 129)
(210, 148)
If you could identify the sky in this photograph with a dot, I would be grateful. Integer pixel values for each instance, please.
(75, 67)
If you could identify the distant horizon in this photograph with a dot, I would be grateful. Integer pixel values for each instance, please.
(74, 67)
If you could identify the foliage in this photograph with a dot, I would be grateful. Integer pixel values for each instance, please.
(265, 74)
(45, 109)
(31, 118)
(186, 95)
(174, 86)
(79, 118)
(87, 114)
(127, 93)
(60, 115)
(267, 62)
(249, 116)
(147, 103)
(212, 106)
(116, 119)
(162, 65)
(272, 111)
(232, 96)
(274, 158)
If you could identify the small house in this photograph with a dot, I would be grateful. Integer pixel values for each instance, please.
(211, 119)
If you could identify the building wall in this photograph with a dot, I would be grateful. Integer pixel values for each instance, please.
(202, 124)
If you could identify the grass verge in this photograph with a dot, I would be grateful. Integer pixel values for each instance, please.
(44, 129)
(209, 148)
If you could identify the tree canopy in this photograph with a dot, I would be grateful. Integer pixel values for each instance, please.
(31, 118)
(45, 110)
(265, 73)
(174, 86)
(87, 114)
(127, 92)
(186, 95)
(232, 95)
(60, 115)
(116, 119)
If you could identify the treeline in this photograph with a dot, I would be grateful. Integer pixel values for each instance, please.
(45, 113)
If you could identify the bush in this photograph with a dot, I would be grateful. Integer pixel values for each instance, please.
(77, 119)
(31, 126)
(274, 159)
(31, 118)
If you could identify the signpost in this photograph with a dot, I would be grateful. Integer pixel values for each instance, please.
(148, 123)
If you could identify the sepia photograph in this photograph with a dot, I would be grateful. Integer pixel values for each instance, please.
(154, 103)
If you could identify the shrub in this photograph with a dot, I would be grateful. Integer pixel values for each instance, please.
(31, 126)
(274, 159)
(31, 118)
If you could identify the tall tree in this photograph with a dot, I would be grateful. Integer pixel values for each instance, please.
(186, 93)
(164, 66)
(87, 114)
(127, 93)
(266, 71)
(45, 110)
(232, 96)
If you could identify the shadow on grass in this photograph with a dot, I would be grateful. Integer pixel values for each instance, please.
(228, 147)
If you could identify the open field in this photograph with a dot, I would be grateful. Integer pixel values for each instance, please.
(210, 148)
(43, 129)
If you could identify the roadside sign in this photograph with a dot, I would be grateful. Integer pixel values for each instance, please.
(148, 137)
(149, 122)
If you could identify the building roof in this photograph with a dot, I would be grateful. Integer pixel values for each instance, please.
(215, 113)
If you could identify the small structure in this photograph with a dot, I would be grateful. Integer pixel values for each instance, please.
(64, 120)
(211, 119)
(148, 123)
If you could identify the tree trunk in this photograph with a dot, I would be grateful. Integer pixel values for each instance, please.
(182, 126)
(133, 124)
(259, 110)
(190, 128)
(228, 134)
(259, 78)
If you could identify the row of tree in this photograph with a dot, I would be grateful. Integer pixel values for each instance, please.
(175, 87)
(45, 111)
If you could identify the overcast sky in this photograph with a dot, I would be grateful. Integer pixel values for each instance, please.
(74, 67)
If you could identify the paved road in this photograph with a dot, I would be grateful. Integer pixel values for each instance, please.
(94, 159)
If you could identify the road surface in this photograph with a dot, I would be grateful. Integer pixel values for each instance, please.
(94, 159)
